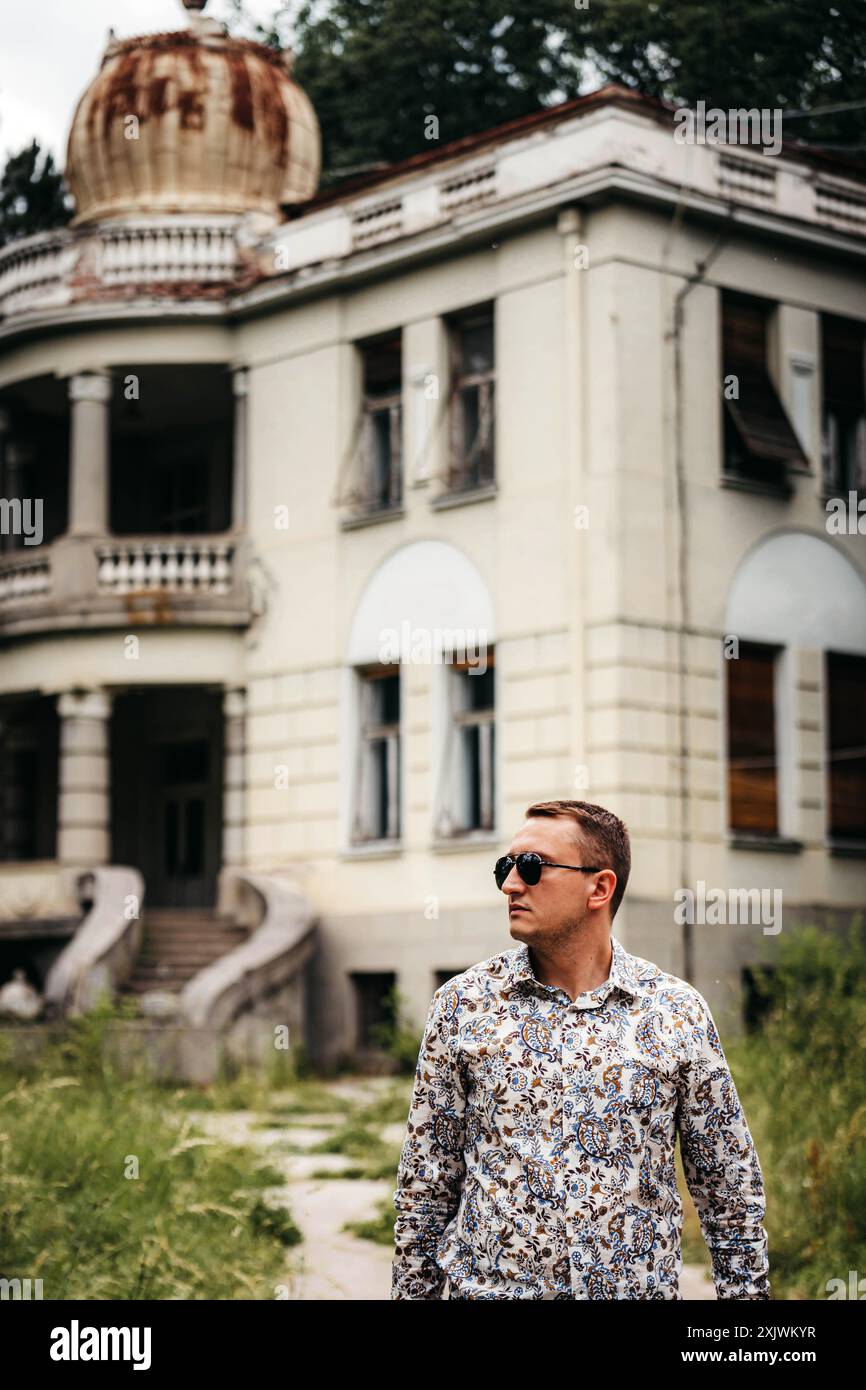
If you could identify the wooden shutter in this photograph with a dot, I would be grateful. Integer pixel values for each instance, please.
(765, 434)
(752, 784)
(846, 753)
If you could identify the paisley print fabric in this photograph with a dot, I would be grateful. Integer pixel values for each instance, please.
(538, 1160)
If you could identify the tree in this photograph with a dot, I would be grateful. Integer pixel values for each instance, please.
(376, 70)
(32, 195)
(792, 55)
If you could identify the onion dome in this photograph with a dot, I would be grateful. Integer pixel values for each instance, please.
(192, 121)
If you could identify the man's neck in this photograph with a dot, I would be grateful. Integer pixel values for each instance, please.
(577, 968)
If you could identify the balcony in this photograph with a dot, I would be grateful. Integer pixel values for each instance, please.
(57, 269)
(102, 582)
(123, 499)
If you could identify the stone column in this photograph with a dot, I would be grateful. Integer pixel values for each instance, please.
(240, 386)
(84, 786)
(234, 778)
(89, 454)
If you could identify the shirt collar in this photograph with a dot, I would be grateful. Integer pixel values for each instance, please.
(623, 972)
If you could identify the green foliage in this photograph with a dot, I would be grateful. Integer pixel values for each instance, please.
(108, 1192)
(802, 1082)
(787, 54)
(32, 195)
(395, 1035)
(375, 70)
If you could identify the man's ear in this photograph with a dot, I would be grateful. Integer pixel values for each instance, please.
(603, 890)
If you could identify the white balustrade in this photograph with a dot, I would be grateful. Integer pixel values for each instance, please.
(34, 268)
(137, 254)
(23, 577)
(166, 566)
(39, 270)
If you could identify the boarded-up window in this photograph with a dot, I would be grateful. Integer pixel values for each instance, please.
(760, 442)
(752, 772)
(846, 753)
(843, 356)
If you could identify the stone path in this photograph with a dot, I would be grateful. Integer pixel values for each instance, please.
(332, 1265)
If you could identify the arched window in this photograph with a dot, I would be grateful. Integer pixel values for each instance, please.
(426, 605)
(795, 592)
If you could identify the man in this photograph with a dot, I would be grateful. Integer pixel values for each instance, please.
(551, 1082)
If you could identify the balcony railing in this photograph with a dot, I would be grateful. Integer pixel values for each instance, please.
(23, 575)
(35, 270)
(165, 566)
(103, 581)
(55, 268)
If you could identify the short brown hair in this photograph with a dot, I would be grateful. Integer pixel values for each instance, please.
(604, 834)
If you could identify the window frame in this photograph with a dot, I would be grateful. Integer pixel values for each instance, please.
(759, 442)
(450, 818)
(466, 468)
(834, 839)
(775, 654)
(362, 472)
(846, 402)
(368, 732)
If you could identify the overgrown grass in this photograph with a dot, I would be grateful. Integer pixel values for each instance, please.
(802, 1082)
(106, 1192)
(379, 1227)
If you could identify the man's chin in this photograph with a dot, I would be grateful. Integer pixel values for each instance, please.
(520, 926)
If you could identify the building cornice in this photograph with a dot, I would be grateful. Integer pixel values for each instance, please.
(585, 153)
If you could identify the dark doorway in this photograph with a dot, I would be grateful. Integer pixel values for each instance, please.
(167, 765)
(171, 450)
(29, 752)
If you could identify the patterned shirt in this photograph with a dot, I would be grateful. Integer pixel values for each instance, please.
(538, 1160)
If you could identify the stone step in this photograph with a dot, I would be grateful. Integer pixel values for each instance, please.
(180, 915)
(216, 939)
(179, 942)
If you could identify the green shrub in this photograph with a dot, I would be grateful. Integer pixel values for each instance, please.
(801, 1077)
(395, 1035)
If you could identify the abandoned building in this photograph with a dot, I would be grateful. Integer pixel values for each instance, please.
(565, 402)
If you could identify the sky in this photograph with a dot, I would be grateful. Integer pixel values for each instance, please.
(50, 50)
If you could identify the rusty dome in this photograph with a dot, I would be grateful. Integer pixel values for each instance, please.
(192, 121)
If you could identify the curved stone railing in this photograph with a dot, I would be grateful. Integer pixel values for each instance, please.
(179, 248)
(54, 268)
(103, 581)
(102, 952)
(35, 268)
(263, 965)
(23, 575)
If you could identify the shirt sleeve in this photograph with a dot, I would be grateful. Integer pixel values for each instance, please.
(721, 1164)
(432, 1166)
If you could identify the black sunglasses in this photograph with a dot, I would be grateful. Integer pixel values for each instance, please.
(529, 867)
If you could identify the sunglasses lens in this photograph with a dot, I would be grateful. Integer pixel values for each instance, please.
(502, 869)
(529, 868)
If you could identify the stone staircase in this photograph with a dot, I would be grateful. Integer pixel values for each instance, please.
(177, 943)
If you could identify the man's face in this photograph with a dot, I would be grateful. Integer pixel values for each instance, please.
(549, 911)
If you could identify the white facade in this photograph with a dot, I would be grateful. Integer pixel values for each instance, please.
(605, 564)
